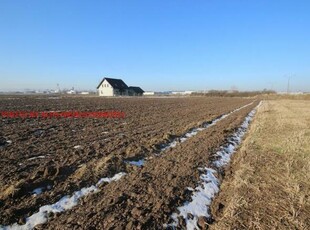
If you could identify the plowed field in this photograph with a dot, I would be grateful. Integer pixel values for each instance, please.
(43, 160)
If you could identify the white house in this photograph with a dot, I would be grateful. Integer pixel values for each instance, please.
(112, 87)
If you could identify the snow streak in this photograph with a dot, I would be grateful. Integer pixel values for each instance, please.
(65, 203)
(199, 206)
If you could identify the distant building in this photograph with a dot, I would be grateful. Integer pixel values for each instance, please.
(148, 93)
(117, 87)
(71, 91)
(182, 92)
(84, 93)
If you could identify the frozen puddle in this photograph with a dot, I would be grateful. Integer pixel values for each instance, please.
(202, 196)
(65, 203)
(195, 131)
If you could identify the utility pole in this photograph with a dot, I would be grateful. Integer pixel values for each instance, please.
(288, 84)
(289, 77)
(58, 87)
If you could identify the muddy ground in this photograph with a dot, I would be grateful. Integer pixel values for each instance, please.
(40, 153)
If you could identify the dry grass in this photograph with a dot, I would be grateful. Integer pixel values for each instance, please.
(286, 96)
(269, 183)
(10, 190)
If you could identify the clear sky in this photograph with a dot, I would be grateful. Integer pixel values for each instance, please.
(156, 44)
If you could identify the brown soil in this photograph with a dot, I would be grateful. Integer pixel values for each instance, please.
(146, 196)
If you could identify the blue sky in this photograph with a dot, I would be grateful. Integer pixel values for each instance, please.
(158, 45)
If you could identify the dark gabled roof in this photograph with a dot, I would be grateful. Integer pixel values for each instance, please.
(115, 83)
(136, 89)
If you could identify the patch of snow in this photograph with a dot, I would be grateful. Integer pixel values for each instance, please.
(109, 180)
(233, 142)
(65, 203)
(190, 189)
(169, 145)
(192, 133)
(39, 190)
(138, 163)
(204, 193)
(182, 139)
(201, 200)
(33, 158)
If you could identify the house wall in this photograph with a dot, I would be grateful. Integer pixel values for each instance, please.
(106, 89)
(118, 93)
(133, 93)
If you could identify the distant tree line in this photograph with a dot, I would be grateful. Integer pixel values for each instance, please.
(233, 93)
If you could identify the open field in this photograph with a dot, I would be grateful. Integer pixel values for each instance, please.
(155, 115)
(139, 172)
(44, 159)
(268, 183)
